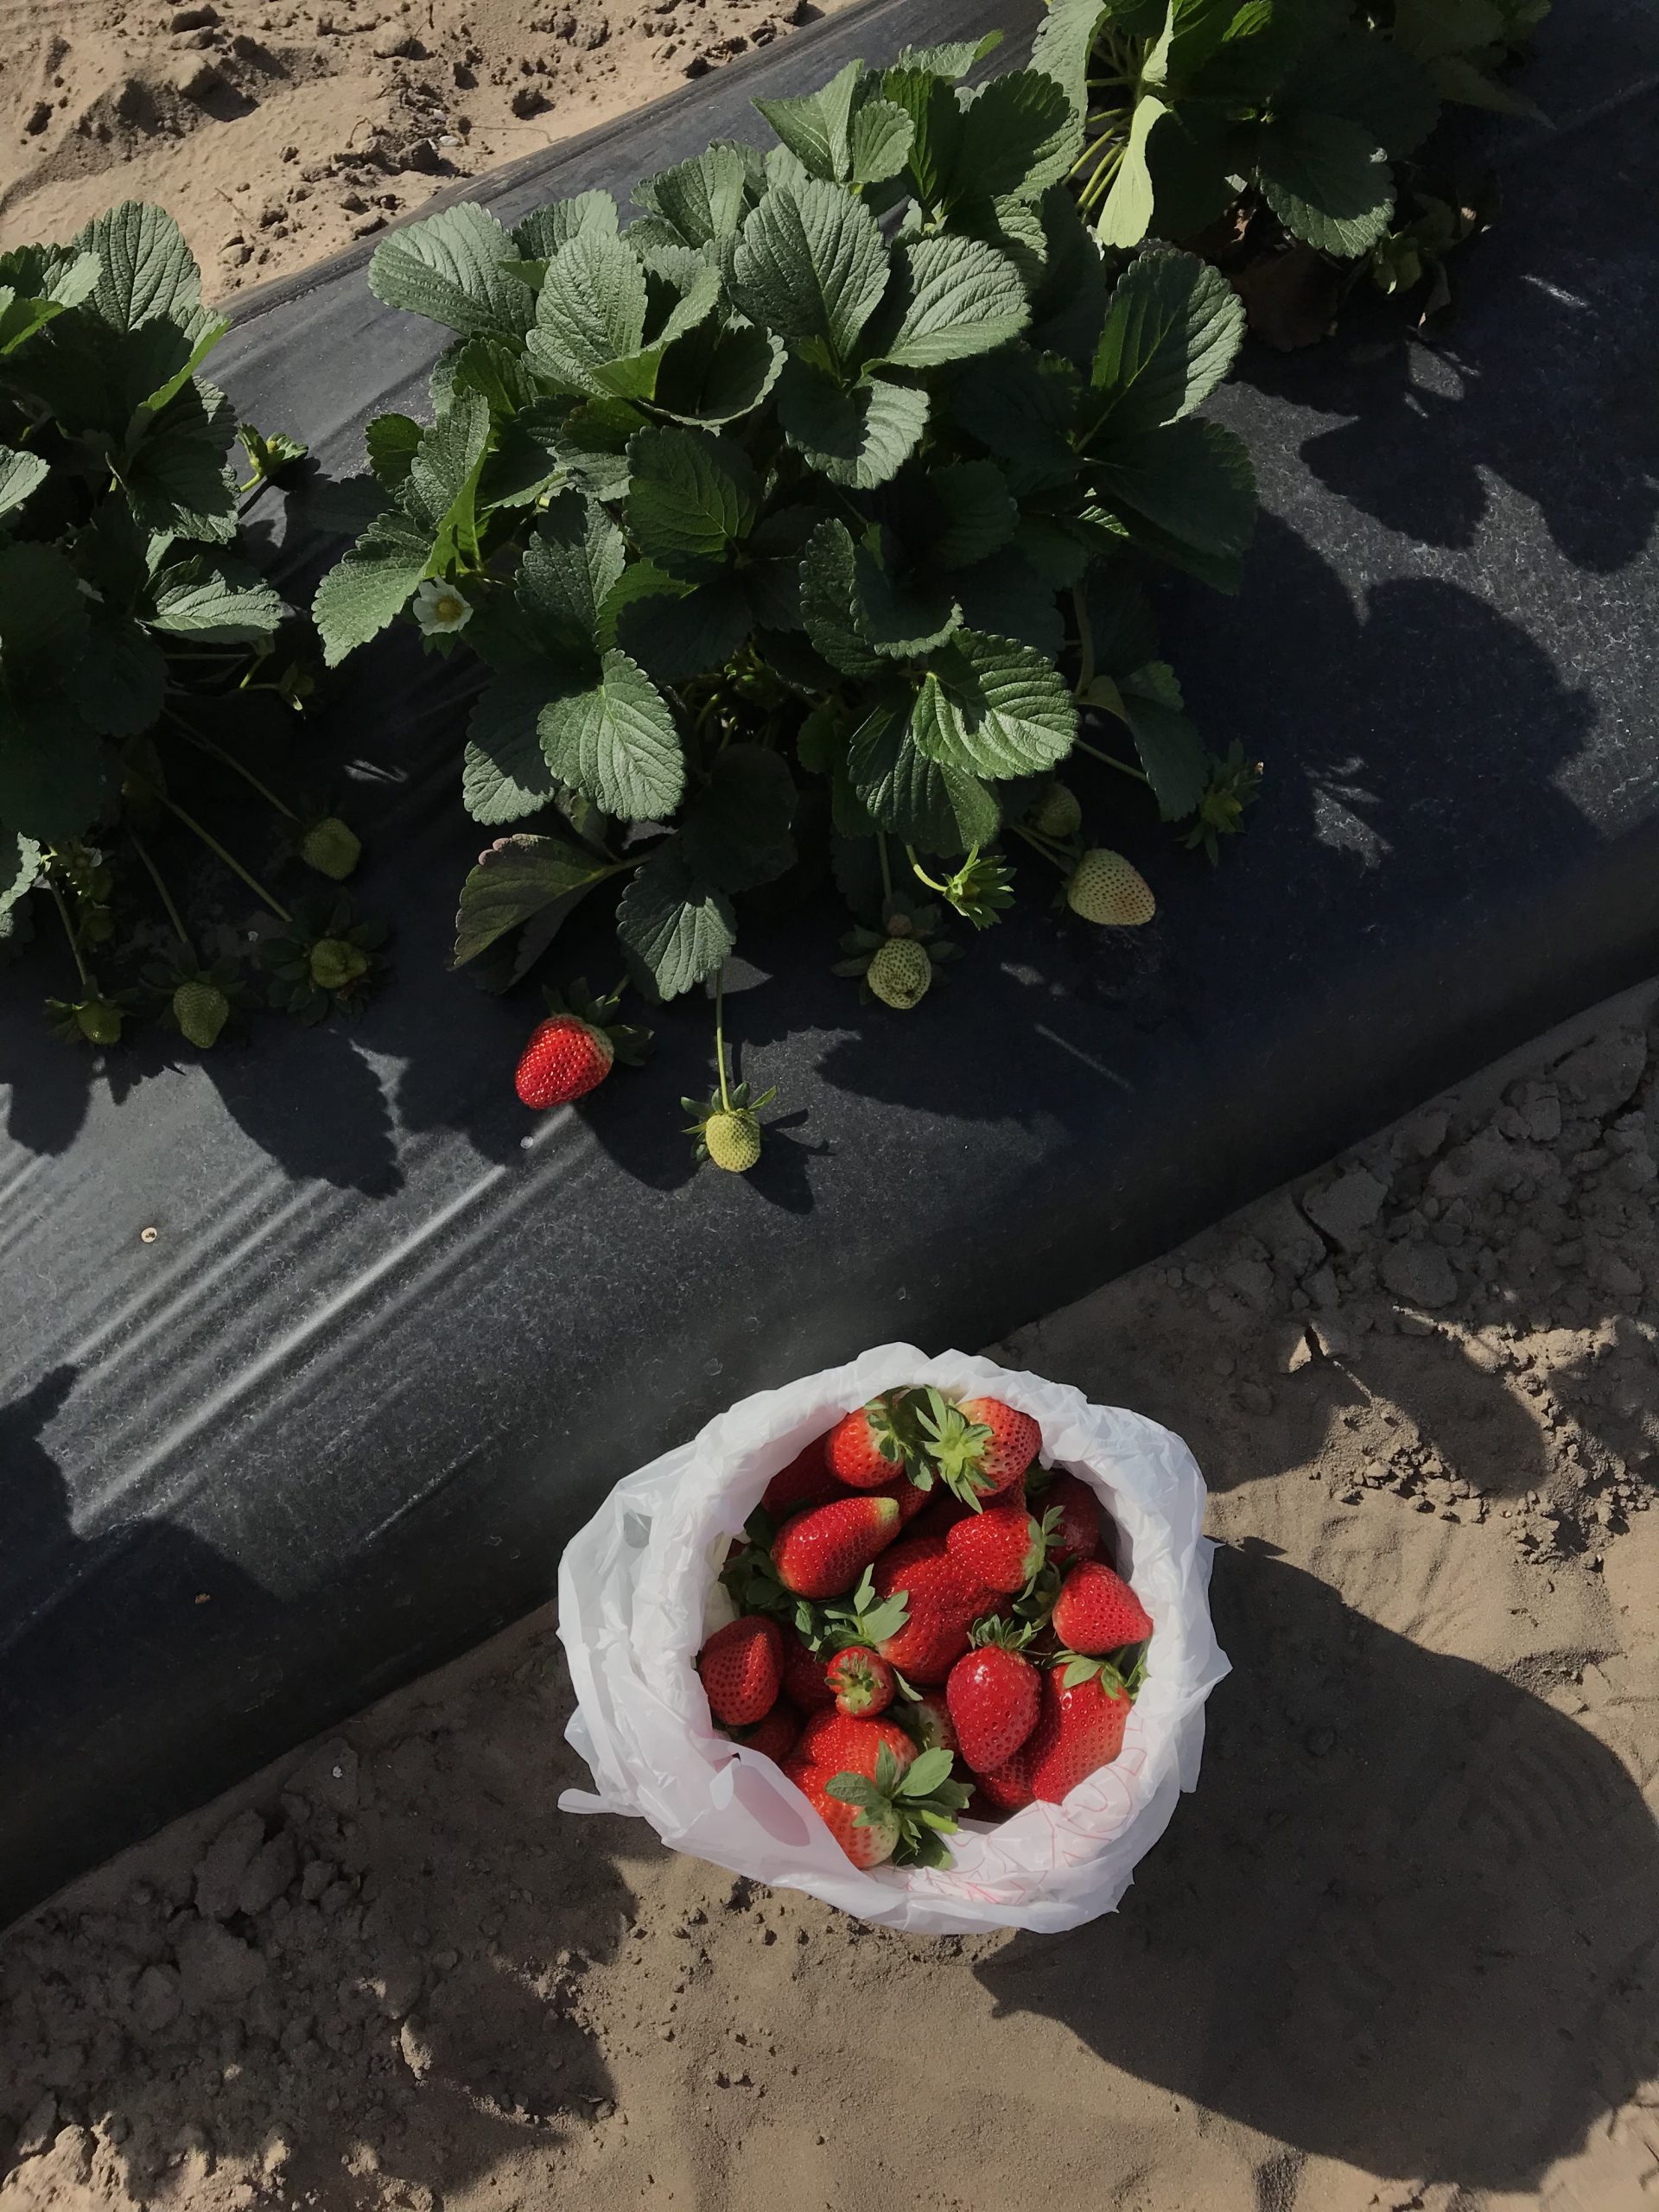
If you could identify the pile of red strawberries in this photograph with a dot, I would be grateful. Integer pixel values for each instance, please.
(915, 1591)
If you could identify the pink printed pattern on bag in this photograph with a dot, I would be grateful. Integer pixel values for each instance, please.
(1096, 1813)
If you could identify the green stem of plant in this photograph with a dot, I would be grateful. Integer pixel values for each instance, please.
(229, 859)
(162, 893)
(1085, 644)
(1041, 845)
(1110, 761)
(207, 745)
(720, 1039)
(921, 874)
(887, 872)
(58, 901)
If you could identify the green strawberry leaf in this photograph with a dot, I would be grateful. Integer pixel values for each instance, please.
(570, 565)
(859, 437)
(955, 297)
(926, 802)
(925, 1773)
(992, 708)
(505, 774)
(676, 931)
(616, 742)
(1327, 181)
(517, 878)
(830, 602)
(144, 268)
(1173, 326)
(20, 867)
(543, 231)
(811, 266)
(451, 267)
(370, 586)
(1187, 493)
(704, 200)
(735, 832)
(691, 498)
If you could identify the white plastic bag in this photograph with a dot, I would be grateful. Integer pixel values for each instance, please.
(639, 1595)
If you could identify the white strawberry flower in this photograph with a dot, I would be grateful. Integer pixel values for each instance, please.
(441, 608)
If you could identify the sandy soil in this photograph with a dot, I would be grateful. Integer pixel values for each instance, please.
(277, 134)
(1398, 1951)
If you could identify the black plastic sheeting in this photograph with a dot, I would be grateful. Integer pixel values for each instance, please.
(393, 1339)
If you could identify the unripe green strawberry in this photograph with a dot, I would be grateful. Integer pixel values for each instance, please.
(98, 1021)
(900, 973)
(733, 1141)
(201, 1011)
(1104, 887)
(332, 848)
(1058, 813)
(335, 963)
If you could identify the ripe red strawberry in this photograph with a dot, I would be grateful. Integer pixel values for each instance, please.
(841, 1745)
(1008, 1787)
(806, 1481)
(1002, 1547)
(1097, 1611)
(866, 1843)
(865, 1449)
(928, 1719)
(777, 1735)
(1014, 1440)
(1079, 1728)
(565, 1057)
(1076, 1535)
(822, 1552)
(995, 1695)
(943, 1600)
(911, 1502)
(861, 1680)
(941, 1512)
(803, 1672)
(742, 1666)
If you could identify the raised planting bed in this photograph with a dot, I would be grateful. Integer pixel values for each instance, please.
(392, 1337)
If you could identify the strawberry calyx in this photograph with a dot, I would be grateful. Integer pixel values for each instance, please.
(1123, 1673)
(630, 1041)
(954, 1448)
(922, 1802)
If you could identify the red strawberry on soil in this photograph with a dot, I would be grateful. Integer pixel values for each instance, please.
(806, 1481)
(944, 1602)
(803, 1676)
(865, 1449)
(742, 1666)
(564, 1058)
(995, 1695)
(861, 1680)
(1076, 1535)
(1097, 1611)
(1008, 1787)
(777, 1735)
(841, 1745)
(822, 1552)
(866, 1843)
(1080, 1728)
(1002, 1546)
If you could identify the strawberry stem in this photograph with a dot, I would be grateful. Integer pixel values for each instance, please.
(162, 893)
(720, 1038)
(87, 982)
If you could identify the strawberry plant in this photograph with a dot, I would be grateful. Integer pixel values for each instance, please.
(809, 508)
(1281, 133)
(136, 645)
